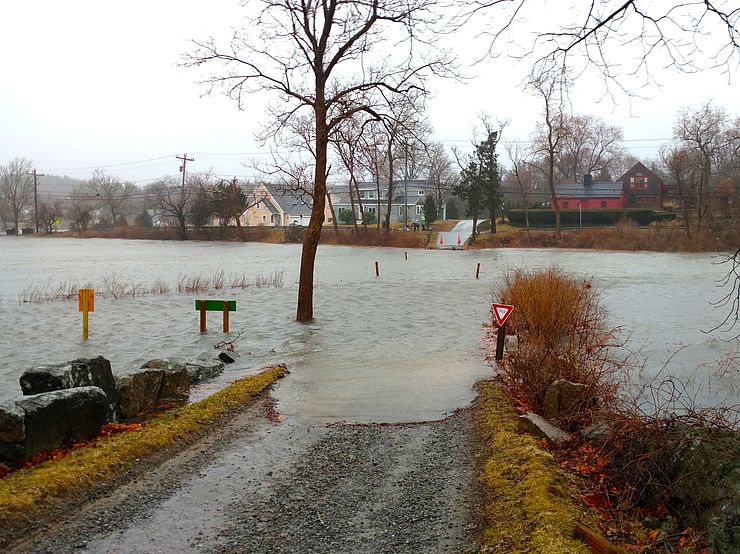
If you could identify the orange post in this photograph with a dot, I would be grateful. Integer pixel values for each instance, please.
(477, 271)
(226, 316)
(202, 316)
(86, 299)
(377, 271)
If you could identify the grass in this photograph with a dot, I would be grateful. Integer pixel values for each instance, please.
(527, 506)
(28, 490)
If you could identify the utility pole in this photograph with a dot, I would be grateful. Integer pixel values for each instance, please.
(35, 198)
(185, 161)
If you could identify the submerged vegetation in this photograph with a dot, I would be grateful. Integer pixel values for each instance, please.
(114, 286)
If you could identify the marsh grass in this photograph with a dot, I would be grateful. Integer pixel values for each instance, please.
(28, 490)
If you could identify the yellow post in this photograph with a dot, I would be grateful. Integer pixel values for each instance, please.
(86, 304)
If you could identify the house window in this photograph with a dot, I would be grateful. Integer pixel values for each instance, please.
(400, 210)
(264, 219)
(638, 182)
(565, 204)
(257, 205)
(603, 203)
(371, 209)
(362, 194)
(418, 210)
(421, 193)
(370, 194)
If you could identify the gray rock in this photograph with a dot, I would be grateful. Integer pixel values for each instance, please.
(538, 426)
(54, 418)
(83, 372)
(137, 390)
(227, 357)
(175, 378)
(724, 530)
(12, 423)
(198, 372)
(564, 399)
(12, 453)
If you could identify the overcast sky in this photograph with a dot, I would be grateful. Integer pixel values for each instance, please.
(86, 84)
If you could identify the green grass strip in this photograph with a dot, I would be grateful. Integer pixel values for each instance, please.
(26, 490)
(527, 501)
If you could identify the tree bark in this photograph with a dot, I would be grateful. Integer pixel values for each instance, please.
(311, 239)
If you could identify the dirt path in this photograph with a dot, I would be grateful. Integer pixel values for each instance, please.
(294, 485)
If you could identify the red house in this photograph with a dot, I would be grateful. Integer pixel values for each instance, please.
(638, 188)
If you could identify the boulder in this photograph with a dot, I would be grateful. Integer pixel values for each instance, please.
(83, 372)
(538, 426)
(198, 372)
(54, 418)
(12, 453)
(137, 390)
(12, 423)
(175, 378)
(564, 399)
(227, 357)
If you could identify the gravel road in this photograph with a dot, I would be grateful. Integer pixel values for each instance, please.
(290, 485)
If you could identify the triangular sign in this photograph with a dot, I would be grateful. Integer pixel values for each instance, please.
(501, 312)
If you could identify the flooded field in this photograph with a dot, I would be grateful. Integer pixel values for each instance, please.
(401, 347)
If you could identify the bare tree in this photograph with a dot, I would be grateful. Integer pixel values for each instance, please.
(681, 164)
(80, 209)
(549, 135)
(317, 56)
(49, 214)
(520, 176)
(706, 132)
(589, 145)
(16, 187)
(440, 174)
(112, 193)
(174, 200)
(374, 160)
(618, 38)
(346, 141)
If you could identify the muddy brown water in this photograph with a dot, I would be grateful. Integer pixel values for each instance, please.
(404, 346)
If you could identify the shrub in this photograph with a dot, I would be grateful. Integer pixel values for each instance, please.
(347, 217)
(563, 333)
(574, 218)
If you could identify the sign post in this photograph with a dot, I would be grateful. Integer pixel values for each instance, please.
(501, 313)
(224, 306)
(86, 301)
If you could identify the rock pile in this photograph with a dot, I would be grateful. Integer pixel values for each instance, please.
(71, 401)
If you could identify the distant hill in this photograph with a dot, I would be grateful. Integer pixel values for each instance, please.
(52, 187)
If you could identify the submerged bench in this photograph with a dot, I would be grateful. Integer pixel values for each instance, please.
(224, 306)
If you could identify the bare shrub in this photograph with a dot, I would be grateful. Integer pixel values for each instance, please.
(159, 287)
(564, 334)
(274, 279)
(193, 283)
(219, 279)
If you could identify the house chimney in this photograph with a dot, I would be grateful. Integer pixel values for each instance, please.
(588, 180)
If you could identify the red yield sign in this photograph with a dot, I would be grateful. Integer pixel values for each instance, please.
(501, 312)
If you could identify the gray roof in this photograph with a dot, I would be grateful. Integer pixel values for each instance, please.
(596, 190)
(290, 202)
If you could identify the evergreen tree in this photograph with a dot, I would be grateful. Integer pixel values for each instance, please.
(430, 209)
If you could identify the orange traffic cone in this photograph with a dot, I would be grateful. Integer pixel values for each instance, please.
(441, 240)
(458, 240)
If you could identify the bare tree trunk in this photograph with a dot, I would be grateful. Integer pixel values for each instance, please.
(311, 239)
(390, 186)
(554, 197)
(352, 202)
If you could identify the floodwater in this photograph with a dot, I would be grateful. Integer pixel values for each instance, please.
(404, 346)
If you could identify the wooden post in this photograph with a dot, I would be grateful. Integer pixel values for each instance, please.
(477, 271)
(86, 304)
(406, 255)
(84, 317)
(377, 271)
(226, 316)
(202, 316)
(500, 337)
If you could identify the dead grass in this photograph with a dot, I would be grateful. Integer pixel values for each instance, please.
(28, 490)
(371, 237)
(528, 506)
